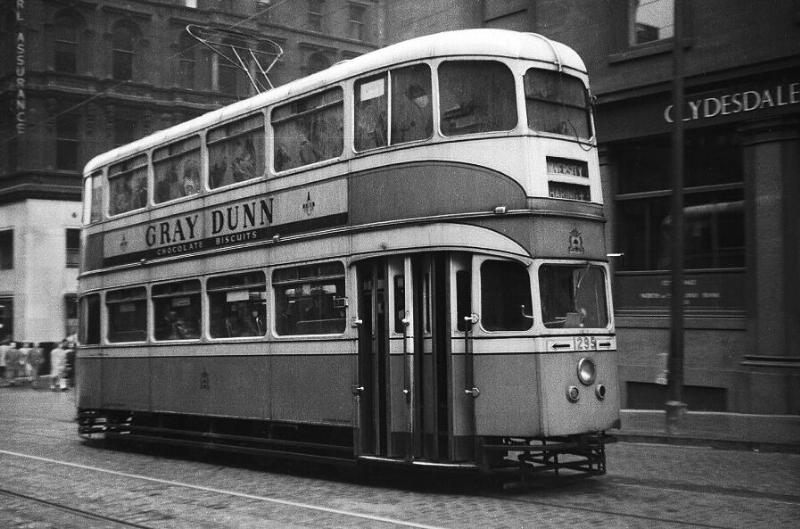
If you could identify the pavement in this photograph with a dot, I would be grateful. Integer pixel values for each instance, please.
(773, 433)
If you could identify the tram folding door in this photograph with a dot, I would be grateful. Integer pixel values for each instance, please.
(410, 393)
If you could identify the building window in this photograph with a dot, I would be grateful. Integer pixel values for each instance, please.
(124, 131)
(122, 53)
(6, 249)
(66, 45)
(67, 142)
(315, 14)
(6, 318)
(73, 241)
(229, 75)
(357, 21)
(713, 203)
(190, 3)
(70, 314)
(651, 20)
(187, 62)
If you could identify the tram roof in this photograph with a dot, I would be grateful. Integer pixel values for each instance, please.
(467, 42)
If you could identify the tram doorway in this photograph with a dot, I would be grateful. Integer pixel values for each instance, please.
(409, 405)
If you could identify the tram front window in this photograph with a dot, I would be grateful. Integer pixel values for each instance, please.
(573, 296)
(505, 295)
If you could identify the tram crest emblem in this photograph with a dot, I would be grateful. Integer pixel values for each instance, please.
(204, 380)
(308, 205)
(575, 241)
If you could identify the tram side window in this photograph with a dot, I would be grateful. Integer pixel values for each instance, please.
(309, 130)
(557, 103)
(127, 315)
(176, 309)
(127, 185)
(309, 299)
(573, 296)
(236, 151)
(93, 197)
(176, 170)
(476, 96)
(412, 113)
(237, 304)
(90, 320)
(505, 296)
(371, 109)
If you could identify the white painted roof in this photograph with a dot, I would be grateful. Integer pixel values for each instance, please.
(467, 42)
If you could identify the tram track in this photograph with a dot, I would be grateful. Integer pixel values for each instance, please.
(83, 514)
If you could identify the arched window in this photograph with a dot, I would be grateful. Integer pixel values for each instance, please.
(122, 52)
(187, 61)
(317, 62)
(65, 47)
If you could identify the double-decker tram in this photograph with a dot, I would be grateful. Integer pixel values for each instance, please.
(399, 259)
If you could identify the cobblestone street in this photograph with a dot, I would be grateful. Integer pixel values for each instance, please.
(51, 478)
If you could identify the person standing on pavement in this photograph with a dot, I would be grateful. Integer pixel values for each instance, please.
(22, 360)
(35, 360)
(58, 366)
(3, 353)
(12, 363)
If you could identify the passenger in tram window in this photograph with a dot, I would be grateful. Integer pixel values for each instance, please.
(191, 178)
(173, 327)
(244, 163)
(217, 173)
(234, 324)
(414, 119)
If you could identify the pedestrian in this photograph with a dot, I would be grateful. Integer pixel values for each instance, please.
(22, 360)
(58, 366)
(4, 347)
(12, 363)
(35, 360)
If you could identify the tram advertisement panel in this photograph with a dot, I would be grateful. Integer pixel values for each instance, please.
(242, 221)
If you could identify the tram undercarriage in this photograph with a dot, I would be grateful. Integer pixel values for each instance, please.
(334, 445)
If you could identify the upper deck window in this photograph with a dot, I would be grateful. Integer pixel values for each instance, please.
(176, 170)
(93, 198)
(309, 130)
(236, 151)
(557, 103)
(127, 185)
(411, 115)
(476, 96)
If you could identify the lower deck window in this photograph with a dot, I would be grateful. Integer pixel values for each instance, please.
(505, 296)
(176, 308)
(127, 315)
(309, 299)
(90, 323)
(573, 296)
(237, 304)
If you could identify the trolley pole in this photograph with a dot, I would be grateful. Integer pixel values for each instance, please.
(675, 407)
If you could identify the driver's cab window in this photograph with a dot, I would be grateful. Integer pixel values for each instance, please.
(505, 296)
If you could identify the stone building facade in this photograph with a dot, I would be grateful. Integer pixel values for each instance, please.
(79, 77)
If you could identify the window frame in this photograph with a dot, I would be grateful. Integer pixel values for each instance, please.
(143, 300)
(275, 283)
(130, 171)
(210, 141)
(168, 294)
(260, 286)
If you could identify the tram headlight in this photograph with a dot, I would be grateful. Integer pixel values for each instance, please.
(586, 371)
